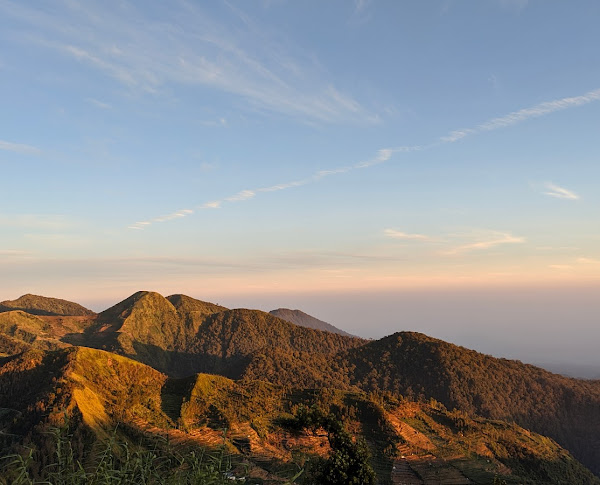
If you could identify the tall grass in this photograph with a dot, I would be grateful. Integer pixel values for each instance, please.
(118, 462)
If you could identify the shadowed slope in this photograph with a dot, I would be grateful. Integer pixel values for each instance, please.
(235, 337)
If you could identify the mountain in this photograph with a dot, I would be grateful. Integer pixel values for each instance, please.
(298, 317)
(180, 336)
(88, 392)
(250, 345)
(41, 305)
(417, 366)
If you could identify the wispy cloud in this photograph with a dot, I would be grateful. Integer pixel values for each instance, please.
(215, 204)
(146, 51)
(99, 104)
(588, 261)
(492, 239)
(385, 154)
(560, 192)
(515, 117)
(394, 234)
(460, 243)
(221, 122)
(19, 148)
(561, 267)
(169, 217)
(287, 185)
(242, 195)
(381, 156)
(175, 215)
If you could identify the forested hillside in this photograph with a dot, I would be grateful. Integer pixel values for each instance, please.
(271, 431)
(180, 337)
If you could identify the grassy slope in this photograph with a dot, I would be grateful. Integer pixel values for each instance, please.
(20, 331)
(435, 443)
(100, 388)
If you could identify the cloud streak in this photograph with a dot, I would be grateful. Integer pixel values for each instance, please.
(19, 148)
(495, 238)
(383, 155)
(560, 192)
(242, 195)
(169, 217)
(482, 240)
(519, 116)
(392, 233)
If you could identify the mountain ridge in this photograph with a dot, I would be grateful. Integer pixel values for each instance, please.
(181, 336)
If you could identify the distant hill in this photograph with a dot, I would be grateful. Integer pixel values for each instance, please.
(298, 317)
(42, 305)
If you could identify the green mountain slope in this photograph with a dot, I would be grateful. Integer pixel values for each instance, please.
(181, 336)
(98, 389)
(20, 331)
(415, 365)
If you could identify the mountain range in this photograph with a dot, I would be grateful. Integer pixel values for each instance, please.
(426, 408)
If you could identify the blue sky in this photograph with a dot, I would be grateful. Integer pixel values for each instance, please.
(237, 149)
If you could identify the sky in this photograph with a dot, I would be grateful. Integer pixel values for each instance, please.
(362, 159)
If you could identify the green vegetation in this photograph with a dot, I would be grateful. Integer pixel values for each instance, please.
(348, 462)
(117, 462)
(420, 367)
(393, 393)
